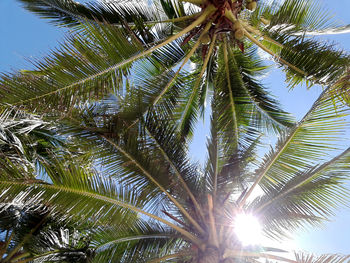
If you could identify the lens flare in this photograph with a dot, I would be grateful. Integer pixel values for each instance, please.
(247, 229)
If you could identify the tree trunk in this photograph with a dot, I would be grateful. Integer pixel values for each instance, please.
(210, 255)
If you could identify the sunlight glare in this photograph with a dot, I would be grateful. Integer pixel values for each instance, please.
(247, 228)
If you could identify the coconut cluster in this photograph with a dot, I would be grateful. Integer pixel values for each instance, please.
(224, 19)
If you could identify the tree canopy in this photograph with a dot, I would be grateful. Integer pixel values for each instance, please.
(96, 136)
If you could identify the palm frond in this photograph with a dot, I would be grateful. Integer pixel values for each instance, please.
(329, 258)
(268, 112)
(26, 139)
(329, 31)
(135, 159)
(342, 87)
(145, 242)
(304, 58)
(302, 15)
(227, 168)
(321, 62)
(86, 65)
(308, 143)
(310, 196)
(70, 183)
(71, 13)
(238, 111)
(310, 140)
(173, 149)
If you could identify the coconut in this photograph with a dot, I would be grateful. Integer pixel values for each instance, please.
(239, 34)
(205, 39)
(251, 6)
(265, 21)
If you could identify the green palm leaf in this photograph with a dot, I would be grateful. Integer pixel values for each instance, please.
(71, 13)
(147, 241)
(305, 144)
(95, 64)
(305, 59)
(307, 197)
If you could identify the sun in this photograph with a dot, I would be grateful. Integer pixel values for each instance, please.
(247, 229)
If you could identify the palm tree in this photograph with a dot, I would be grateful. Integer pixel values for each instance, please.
(143, 52)
(149, 203)
(123, 92)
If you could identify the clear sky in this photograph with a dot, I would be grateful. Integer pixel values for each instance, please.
(23, 35)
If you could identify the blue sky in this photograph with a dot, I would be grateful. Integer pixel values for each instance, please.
(23, 35)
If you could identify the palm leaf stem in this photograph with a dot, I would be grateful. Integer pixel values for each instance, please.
(21, 256)
(177, 19)
(109, 200)
(308, 178)
(184, 184)
(232, 103)
(210, 9)
(153, 22)
(213, 233)
(150, 177)
(260, 34)
(205, 30)
(268, 39)
(196, 85)
(175, 255)
(241, 253)
(131, 238)
(7, 242)
(253, 98)
(230, 15)
(175, 219)
(215, 186)
(285, 145)
(256, 42)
